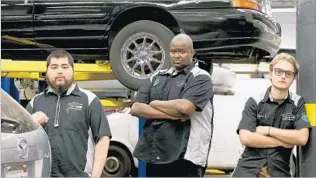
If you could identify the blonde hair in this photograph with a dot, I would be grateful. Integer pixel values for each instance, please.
(286, 57)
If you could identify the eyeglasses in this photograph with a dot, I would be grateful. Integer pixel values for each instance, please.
(279, 72)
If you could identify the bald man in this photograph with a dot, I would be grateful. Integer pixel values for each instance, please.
(178, 106)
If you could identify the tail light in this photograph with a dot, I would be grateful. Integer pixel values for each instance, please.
(248, 4)
(259, 5)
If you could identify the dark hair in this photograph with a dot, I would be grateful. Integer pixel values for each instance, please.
(59, 54)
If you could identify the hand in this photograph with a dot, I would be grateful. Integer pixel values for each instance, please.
(40, 117)
(263, 130)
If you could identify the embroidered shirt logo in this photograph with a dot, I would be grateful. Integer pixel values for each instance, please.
(74, 106)
(261, 116)
(179, 84)
(304, 117)
(288, 117)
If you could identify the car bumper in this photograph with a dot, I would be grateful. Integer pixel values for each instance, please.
(34, 158)
(218, 30)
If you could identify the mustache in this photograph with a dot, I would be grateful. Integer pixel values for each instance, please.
(59, 77)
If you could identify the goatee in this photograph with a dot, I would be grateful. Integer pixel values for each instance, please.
(60, 89)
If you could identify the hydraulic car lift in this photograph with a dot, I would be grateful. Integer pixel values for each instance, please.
(35, 70)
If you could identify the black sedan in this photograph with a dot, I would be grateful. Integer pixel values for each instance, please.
(135, 35)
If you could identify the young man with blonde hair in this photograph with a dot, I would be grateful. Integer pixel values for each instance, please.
(272, 124)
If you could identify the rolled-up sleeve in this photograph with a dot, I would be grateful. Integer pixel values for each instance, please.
(249, 116)
(199, 91)
(301, 119)
(98, 120)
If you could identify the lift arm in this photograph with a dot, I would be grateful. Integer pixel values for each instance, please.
(36, 70)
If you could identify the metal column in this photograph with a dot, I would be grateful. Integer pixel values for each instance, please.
(141, 164)
(8, 86)
(306, 85)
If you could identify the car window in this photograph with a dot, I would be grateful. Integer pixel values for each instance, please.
(14, 118)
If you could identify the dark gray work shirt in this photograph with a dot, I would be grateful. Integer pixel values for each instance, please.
(76, 122)
(164, 141)
(263, 111)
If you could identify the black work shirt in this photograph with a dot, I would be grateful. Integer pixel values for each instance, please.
(261, 111)
(164, 141)
(76, 122)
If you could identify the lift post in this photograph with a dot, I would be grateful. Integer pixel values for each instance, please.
(306, 85)
(8, 86)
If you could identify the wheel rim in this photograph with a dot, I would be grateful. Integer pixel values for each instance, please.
(112, 164)
(142, 55)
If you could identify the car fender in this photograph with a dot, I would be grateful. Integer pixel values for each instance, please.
(124, 130)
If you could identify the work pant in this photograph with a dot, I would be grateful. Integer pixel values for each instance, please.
(263, 173)
(179, 168)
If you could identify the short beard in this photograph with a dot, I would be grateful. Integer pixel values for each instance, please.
(59, 89)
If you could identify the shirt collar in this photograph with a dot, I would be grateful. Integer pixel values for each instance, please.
(268, 96)
(185, 70)
(73, 89)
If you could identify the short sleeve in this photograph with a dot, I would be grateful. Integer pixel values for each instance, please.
(301, 119)
(29, 108)
(30, 105)
(98, 120)
(199, 91)
(249, 116)
(143, 94)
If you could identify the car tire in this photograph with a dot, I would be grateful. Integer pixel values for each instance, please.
(118, 163)
(124, 54)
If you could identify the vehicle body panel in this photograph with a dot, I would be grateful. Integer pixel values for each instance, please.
(17, 32)
(127, 133)
(71, 25)
(25, 147)
(84, 27)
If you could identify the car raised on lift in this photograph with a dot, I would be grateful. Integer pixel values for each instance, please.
(134, 36)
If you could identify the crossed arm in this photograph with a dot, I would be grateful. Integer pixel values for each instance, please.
(287, 136)
(172, 109)
(195, 96)
(278, 137)
(252, 135)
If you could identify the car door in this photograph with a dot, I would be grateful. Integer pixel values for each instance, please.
(77, 26)
(17, 33)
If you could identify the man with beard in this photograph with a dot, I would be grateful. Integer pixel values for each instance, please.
(177, 104)
(73, 119)
(272, 124)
